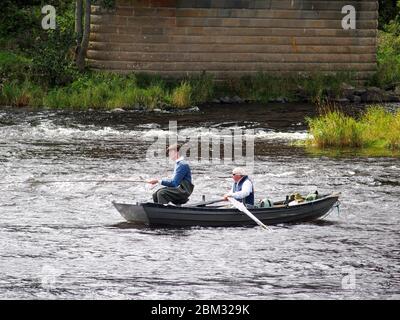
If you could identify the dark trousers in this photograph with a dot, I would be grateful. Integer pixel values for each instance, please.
(178, 195)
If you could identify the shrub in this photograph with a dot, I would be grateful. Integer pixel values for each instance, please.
(52, 64)
(108, 4)
(388, 11)
(388, 57)
(13, 67)
(18, 19)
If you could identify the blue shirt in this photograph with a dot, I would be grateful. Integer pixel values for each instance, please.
(181, 172)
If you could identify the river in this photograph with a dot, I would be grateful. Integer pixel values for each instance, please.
(64, 239)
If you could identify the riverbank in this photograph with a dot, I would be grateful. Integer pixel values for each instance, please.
(103, 90)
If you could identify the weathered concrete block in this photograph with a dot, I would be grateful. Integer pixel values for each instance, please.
(234, 37)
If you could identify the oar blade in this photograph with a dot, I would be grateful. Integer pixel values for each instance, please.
(241, 207)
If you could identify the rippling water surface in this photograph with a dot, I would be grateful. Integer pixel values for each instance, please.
(65, 240)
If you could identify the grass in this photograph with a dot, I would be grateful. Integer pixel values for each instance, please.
(381, 128)
(319, 86)
(203, 88)
(107, 90)
(264, 87)
(182, 95)
(102, 96)
(21, 94)
(99, 90)
(376, 129)
(335, 129)
(104, 90)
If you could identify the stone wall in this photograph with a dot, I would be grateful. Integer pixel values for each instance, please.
(233, 37)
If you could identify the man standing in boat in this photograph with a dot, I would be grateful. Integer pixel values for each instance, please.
(242, 189)
(178, 189)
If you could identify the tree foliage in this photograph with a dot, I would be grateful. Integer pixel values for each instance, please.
(388, 10)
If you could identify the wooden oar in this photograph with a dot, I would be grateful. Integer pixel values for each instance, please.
(205, 203)
(241, 207)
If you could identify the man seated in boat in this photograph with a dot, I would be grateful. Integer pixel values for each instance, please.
(242, 189)
(178, 189)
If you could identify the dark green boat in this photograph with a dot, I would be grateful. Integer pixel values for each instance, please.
(152, 214)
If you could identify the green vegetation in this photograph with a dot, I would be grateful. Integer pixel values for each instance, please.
(181, 96)
(388, 57)
(388, 54)
(376, 129)
(381, 128)
(108, 4)
(388, 11)
(21, 94)
(263, 87)
(13, 66)
(108, 90)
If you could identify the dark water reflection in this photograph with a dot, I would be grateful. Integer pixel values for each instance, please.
(65, 240)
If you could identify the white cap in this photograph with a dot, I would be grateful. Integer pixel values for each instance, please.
(239, 171)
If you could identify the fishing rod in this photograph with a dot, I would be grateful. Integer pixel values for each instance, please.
(75, 181)
(80, 181)
(90, 181)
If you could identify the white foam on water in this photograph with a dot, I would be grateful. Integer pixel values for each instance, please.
(228, 132)
(47, 130)
(288, 136)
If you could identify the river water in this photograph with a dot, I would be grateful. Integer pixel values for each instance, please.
(64, 240)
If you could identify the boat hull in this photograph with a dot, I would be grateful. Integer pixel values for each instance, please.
(185, 216)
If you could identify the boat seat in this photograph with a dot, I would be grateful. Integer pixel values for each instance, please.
(179, 203)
